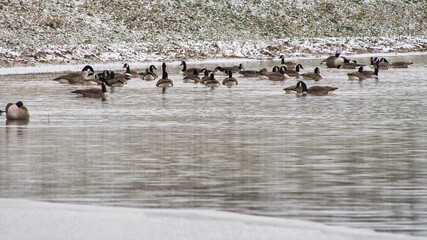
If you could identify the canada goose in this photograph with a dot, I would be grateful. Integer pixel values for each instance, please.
(383, 64)
(290, 89)
(187, 71)
(371, 74)
(315, 75)
(294, 73)
(17, 111)
(350, 65)
(102, 74)
(219, 71)
(230, 80)
(212, 82)
(252, 73)
(400, 64)
(113, 81)
(234, 69)
(164, 82)
(301, 87)
(334, 61)
(205, 77)
(130, 74)
(373, 61)
(149, 74)
(192, 78)
(263, 75)
(278, 74)
(78, 77)
(288, 64)
(95, 92)
(359, 75)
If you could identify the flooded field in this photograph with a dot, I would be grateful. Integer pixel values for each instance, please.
(356, 158)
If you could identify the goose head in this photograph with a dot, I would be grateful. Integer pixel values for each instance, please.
(152, 67)
(88, 69)
(19, 104)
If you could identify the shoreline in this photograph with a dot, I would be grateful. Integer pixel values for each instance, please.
(117, 65)
(30, 56)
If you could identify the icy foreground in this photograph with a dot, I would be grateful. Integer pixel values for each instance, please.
(22, 219)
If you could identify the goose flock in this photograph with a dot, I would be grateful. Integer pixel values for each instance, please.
(282, 72)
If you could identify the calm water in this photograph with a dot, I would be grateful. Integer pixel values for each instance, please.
(356, 158)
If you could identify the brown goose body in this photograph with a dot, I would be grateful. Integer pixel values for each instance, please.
(95, 92)
(212, 82)
(350, 65)
(115, 81)
(192, 78)
(130, 73)
(383, 64)
(17, 111)
(78, 78)
(401, 64)
(252, 73)
(301, 88)
(372, 74)
(188, 71)
(359, 75)
(234, 69)
(294, 72)
(149, 74)
(287, 64)
(278, 74)
(230, 80)
(334, 61)
(315, 75)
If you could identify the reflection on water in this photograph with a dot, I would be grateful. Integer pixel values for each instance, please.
(355, 158)
(17, 122)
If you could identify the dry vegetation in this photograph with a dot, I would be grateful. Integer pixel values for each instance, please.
(115, 30)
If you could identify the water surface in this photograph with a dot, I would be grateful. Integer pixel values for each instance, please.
(355, 158)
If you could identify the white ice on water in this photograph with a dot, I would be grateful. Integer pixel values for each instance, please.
(24, 219)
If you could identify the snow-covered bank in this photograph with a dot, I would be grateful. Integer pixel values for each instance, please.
(22, 219)
(81, 31)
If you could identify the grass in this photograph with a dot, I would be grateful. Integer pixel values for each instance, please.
(26, 27)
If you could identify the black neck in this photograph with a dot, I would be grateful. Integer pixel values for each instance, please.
(304, 86)
(104, 89)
